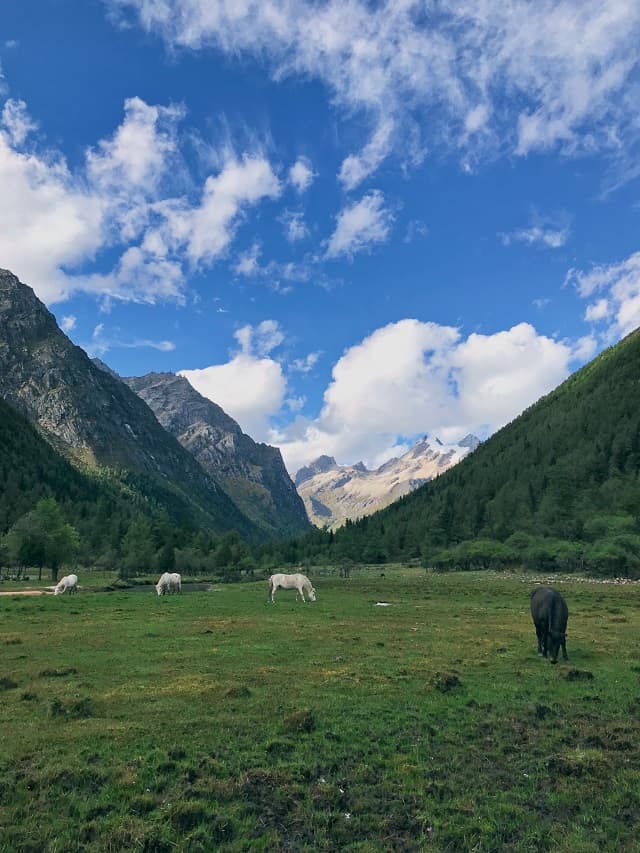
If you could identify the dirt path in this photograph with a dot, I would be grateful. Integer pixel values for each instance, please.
(28, 592)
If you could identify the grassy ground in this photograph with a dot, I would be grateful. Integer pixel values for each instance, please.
(214, 721)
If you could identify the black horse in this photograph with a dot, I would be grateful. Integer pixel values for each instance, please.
(550, 613)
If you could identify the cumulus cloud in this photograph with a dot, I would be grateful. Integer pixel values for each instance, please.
(301, 174)
(48, 219)
(413, 377)
(68, 323)
(360, 225)
(55, 222)
(480, 74)
(618, 310)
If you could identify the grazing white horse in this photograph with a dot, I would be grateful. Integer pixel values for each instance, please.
(169, 582)
(299, 582)
(69, 583)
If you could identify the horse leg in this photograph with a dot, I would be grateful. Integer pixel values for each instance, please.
(301, 591)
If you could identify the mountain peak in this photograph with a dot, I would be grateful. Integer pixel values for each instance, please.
(318, 466)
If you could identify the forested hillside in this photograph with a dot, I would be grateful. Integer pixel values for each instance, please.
(558, 488)
(117, 527)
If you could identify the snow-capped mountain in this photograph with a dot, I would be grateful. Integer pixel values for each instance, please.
(333, 493)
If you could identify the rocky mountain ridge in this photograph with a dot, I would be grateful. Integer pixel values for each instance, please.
(333, 493)
(252, 473)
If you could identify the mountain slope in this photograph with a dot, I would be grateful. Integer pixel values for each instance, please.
(334, 493)
(94, 418)
(253, 474)
(557, 489)
(567, 470)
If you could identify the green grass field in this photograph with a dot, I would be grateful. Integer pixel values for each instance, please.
(214, 721)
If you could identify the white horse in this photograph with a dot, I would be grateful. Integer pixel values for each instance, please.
(169, 582)
(299, 582)
(69, 583)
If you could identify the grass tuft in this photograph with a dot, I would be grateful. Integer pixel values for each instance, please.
(240, 692)
(58, 673)
(300, 721)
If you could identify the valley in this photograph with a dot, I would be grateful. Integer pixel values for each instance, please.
(214, 717)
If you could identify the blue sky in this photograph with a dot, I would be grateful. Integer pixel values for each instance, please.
(349, 223)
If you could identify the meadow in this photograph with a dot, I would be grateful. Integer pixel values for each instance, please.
(216, 721)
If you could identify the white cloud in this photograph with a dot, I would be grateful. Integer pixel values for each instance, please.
(476, 118)
(294, 226)
(103, 341)
(619, 308)
(211, 226)
(412, 377)
(17, 121)
(260, 339)
(538, 235)
(306, 364)
(48, 220)
(139, 276)
(356, 167)
(597, 311)
(248, 263)
(301, 174)
(360, 225)
(140, 152)
(68, 323)
(520, 76)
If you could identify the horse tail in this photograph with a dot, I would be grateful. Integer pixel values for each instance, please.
(270, 587)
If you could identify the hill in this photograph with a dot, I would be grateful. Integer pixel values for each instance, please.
(557, 489)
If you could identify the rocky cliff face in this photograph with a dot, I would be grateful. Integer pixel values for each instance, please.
(253, 474)
(93, 417)
(333, 493)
